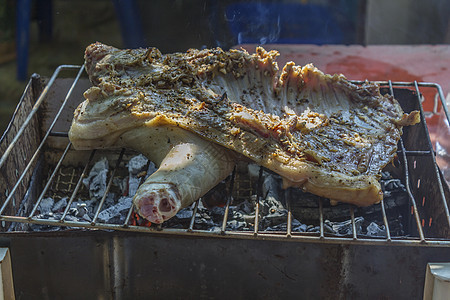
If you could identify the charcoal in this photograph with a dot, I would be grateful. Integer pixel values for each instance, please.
(272, 210)
(375, 230)
(137, 164)
(249, 218)
(81, 210)
(86, 218)
(312, 228)
(96, 181)
(48, 216)
(297, 226)
(385, 175)
(133, 185)
(122, 183)
(216, 229)
(271, 187)
(117, 212)
(139, 168)
(47, 228)
(236, 225)
(346, 228)
(246, 207)
(216, 212)
(279, 227)
(218, 196)
(274, 218)
(45, 206)
(151, 169)
(235, 214)
(328, 229)
(253, 170)
(71, 218)
(203, 223)
(73, 211)
(184, 214)
(60, 205)
(241, 216)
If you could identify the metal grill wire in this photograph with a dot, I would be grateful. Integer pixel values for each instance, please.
(320, 236)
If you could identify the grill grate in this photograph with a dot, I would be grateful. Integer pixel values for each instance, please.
(66, 180)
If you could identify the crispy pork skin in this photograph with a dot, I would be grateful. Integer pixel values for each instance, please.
(196, 113)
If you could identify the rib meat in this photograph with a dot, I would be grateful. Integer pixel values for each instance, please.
(196, 113)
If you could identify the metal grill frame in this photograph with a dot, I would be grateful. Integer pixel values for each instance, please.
(224, 233)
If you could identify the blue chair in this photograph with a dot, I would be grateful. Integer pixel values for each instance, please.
(288, 23)
(127, 12)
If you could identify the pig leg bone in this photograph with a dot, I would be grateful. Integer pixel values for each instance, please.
(191, 167)
(157, 202)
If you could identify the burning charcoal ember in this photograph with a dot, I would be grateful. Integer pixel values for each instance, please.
(375, 230)
(116, 213)
(46, 205)
(217, 196)
(96, 181)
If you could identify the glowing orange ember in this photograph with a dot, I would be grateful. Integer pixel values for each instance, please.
(136, 220)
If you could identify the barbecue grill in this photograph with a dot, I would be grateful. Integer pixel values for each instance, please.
(90, 258)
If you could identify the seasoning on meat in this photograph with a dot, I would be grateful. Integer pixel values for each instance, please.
(196, 113)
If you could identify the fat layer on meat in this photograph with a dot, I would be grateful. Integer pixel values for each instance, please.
(318, 131)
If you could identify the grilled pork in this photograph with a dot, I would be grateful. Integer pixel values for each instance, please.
(196, 113)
